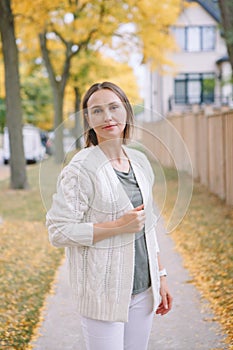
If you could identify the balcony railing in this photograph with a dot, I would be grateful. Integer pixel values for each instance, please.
(187, 102)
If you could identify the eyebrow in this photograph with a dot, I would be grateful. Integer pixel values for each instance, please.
(108, 104)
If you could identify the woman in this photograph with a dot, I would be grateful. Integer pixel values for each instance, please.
(103, 214)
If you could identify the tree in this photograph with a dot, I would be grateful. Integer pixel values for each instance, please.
(71, 37)
(67, 28)
(37, 99)
(2, 114)
(13, 100)
(226, 8)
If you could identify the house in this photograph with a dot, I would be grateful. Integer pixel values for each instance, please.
(202, 70)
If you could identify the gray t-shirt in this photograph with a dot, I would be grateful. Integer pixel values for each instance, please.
(141, 269)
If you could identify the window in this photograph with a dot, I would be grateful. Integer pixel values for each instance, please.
(180, 37)
(195, 38)
(191, 88)
(208, 38)
(180, 89)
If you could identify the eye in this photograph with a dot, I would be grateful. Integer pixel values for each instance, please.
(114, 107)
(97, 111)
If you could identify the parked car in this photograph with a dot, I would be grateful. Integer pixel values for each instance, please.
(33, 149)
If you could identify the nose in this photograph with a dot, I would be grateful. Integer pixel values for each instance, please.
(107, 115)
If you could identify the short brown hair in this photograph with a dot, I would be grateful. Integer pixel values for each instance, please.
(90, 135)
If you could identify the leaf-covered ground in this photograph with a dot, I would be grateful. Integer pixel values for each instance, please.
(205, 240)
(28, 263)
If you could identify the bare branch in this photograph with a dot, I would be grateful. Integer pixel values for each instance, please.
(85, 42)
(46, 58)
(59, 35)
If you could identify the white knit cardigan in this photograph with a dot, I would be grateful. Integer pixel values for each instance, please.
(101, 274)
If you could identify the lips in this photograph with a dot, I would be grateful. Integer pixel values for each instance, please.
(110, 126)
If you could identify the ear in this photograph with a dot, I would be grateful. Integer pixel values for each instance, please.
(87, 118)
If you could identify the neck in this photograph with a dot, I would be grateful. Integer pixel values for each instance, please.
(116, 155)
(112, 148)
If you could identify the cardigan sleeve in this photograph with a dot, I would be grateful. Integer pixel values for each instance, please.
(157, 217)
(65, 219)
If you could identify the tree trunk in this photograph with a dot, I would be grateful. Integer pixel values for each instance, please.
(13, 99)
(58, 88)
(226, 8)
(78, 132)
(58, 98)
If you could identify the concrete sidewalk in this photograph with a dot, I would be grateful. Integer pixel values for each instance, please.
(188, 326)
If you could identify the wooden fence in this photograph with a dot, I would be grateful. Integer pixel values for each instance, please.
(206, 138)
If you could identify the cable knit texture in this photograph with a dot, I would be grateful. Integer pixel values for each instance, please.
(101, 274)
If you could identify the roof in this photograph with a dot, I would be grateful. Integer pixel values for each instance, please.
(211, 6)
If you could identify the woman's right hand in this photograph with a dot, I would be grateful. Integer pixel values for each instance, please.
(132, 221)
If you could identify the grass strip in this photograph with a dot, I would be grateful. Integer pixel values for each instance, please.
(28, 262)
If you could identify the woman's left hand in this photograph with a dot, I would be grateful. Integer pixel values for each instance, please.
(166, 302)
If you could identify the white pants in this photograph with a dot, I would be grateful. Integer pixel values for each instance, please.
(132, 335)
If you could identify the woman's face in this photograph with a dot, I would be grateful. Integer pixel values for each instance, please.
(106, 115)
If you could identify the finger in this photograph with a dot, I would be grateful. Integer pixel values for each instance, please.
(165, 301)
(140, 207)
(169, 299)
(162, 310)
(141, 221)
(141, 213)
(160, 307)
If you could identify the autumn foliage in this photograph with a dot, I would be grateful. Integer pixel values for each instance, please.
(27, 269)
(74, 39)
